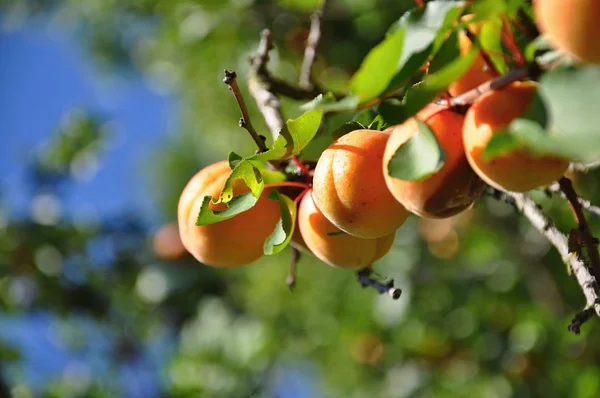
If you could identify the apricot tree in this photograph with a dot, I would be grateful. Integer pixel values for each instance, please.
(460, 99)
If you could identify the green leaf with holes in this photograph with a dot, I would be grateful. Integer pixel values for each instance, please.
(237, 205)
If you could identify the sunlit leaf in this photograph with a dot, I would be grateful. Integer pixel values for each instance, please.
(419, 157)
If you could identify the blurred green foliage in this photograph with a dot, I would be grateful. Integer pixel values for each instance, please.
(486, 300)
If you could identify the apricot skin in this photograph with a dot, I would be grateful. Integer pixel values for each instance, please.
(350, 190)
(450, 190)
(478, 73)
(231, 243)
(572, 26)
(342, 250)
(521, 170)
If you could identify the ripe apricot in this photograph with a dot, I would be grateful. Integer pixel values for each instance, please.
(572, 26)
(340, 250)
(350, 190)
(230, 243)
(478, 73)
(518, 171)
(451, 189)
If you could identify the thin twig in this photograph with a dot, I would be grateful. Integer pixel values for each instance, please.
(470, 96)
(530, 210)
(259, 84)
(585, 204)
(310, 51)
(566, 186)
(245, 122)
(291, 278)
(366, 278)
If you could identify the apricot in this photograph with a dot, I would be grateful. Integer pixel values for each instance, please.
(572, 26)
(520, 170)
(450, 190)
(167, 242)
(339, 250)
(478, 73)
(231, 243)
(349, 187)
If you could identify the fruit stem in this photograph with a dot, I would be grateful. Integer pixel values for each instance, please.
(300, 165)
(509, 40)
(299, 197)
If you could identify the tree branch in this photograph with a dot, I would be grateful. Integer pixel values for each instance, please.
(367, 278)
(584, 203)
(528, 208)
(566, 186)
(245, 122)
(260, 86)
(310, 52)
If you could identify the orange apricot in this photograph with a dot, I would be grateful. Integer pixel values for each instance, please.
(350, 190)
(478, 73)
(520, 170)
(450, 190)
(231, 243)
(339, 250)
(572, 26)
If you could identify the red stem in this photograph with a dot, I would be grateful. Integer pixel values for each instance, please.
(300, 165)
(299, 197)
(509, 40)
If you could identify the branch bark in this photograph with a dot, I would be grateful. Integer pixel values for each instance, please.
(584, 203)
(310, 51)
(530, 210)
(260, 86)
(566, 186)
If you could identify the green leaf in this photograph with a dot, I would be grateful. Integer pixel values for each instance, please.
(417, 158)
(490, 40)
(378, 67)
(328, 103)
(501, 144)
(423, 26)
(447, 53)
(282, 235)
(418, 96)
(237, 205)
(418, 33)
(252, 177)
(295, 136)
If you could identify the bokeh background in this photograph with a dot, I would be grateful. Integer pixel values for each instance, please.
(108, 107)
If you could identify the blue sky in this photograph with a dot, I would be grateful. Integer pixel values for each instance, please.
(44, 74)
